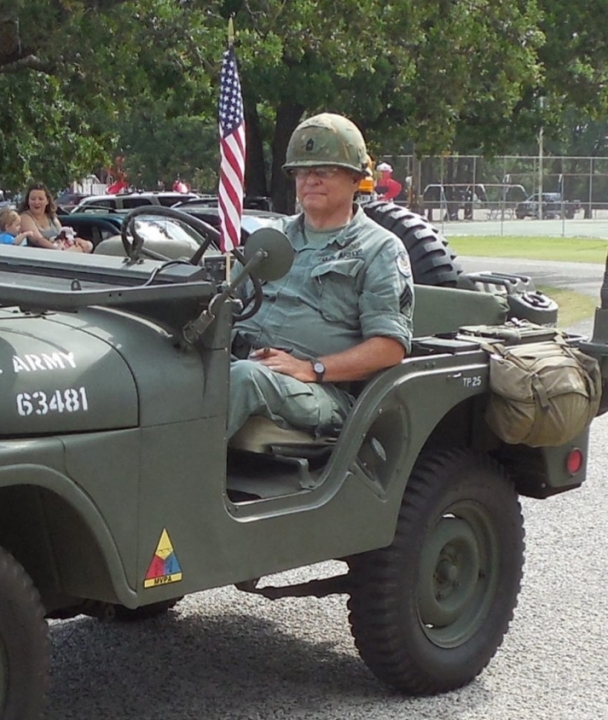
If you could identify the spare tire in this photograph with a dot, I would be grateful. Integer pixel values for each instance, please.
(432, 260)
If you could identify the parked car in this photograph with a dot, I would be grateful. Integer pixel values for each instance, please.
(128, 201)
(6, 199)
(99, 226)
(251, 219)
(67, 200)
(554, 206)
(250, 202)
(103, 230)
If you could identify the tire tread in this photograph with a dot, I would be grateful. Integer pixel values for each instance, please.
(20, 594)
(433, 262)
(374, 613)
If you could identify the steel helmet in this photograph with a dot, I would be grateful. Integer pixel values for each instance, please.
(327, 139)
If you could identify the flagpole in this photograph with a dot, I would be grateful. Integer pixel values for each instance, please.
(231, 31)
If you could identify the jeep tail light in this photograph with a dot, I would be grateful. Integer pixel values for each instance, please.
(574, 461)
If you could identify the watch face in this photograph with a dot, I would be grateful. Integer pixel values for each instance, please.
(319, 368)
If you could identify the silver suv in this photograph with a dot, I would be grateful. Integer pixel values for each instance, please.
(128, 201)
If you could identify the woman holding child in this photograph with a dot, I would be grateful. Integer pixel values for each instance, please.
(39, 219)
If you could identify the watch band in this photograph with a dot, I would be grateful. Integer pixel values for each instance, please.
(319, 370)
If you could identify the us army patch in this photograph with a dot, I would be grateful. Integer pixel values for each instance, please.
(403, 263)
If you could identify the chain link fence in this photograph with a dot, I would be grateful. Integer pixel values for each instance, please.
(506, 192)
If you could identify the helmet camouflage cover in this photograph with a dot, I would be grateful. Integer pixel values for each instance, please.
(327, 139)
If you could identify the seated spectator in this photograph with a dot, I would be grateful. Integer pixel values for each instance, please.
(39, 218)
(10, 228)
(387, 187)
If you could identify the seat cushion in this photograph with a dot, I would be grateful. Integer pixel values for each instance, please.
(259, 434)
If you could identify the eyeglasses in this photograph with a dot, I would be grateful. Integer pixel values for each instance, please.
(322, 173)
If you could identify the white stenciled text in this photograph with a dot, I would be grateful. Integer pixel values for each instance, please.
(43, 362)
(39, 402)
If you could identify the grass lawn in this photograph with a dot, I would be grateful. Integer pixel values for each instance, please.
(573, 306)
(590, 250)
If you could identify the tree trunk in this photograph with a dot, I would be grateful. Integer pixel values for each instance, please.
(9, 40)
(282, 190)
(255, 168)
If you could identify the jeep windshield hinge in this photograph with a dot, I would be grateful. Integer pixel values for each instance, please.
(337, 585)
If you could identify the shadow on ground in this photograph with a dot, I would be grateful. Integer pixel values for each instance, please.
(230, 666)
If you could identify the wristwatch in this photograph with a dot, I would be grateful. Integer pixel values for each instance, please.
(319, 370)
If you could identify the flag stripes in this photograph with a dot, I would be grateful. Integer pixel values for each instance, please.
(232, 153)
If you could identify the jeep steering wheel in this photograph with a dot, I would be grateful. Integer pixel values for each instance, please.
(136, 249)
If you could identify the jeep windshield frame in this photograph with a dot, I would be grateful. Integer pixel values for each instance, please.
(66, 281)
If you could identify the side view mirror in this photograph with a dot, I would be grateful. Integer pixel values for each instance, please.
(268, 256)
(270, 253)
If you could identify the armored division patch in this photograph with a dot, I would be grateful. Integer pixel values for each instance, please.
(164, 567)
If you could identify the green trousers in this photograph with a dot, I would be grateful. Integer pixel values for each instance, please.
(257, 390)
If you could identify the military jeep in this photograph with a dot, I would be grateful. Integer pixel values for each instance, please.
(119, 493)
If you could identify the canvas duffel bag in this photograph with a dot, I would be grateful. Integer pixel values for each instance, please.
(542, 394)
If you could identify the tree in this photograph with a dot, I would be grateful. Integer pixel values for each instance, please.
(574, 58)
(407, 71)
(71, 69)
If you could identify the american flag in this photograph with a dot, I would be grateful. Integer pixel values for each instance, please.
(232, 148)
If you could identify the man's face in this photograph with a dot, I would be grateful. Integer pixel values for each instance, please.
(324, 189)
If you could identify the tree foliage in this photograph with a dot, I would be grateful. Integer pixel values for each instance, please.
(410, 71)
(74, 70)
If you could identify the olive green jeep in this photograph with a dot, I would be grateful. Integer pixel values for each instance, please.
(119, 493)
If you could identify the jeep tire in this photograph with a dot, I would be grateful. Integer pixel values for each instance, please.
(24, 644)
(432, 260)
(429, 611)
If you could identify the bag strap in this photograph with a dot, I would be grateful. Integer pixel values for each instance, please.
(540, 391)
(491, 348)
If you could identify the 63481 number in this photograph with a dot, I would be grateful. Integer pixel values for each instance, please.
(59, 401)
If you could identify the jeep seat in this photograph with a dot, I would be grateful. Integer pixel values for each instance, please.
(261, 435)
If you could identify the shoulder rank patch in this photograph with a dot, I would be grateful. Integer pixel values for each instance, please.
(403, 263)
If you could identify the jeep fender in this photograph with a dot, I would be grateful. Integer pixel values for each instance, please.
(66, 538)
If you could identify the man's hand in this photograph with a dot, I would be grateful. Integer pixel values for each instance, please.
(282, 362)
(357, 363)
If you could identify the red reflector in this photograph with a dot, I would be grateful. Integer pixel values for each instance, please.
(574, 461)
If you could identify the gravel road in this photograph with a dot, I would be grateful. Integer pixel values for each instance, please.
(585, 278)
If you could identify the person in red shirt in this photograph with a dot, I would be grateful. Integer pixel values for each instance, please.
(180, 186)
(386, 187)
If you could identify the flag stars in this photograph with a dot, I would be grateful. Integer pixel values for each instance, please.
(231, 108)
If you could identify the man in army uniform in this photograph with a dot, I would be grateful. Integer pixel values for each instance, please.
(344, 310)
